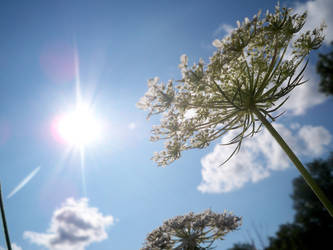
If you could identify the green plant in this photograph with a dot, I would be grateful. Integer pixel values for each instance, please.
(4, 223)
(192, 231)
(248, 79)
(325, 70)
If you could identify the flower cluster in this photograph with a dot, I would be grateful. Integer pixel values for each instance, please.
(252, 71)
(192, 231)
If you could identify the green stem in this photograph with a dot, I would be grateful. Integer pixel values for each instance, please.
(309, 180)
(9, 246)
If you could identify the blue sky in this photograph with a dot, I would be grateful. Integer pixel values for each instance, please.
(119, 46)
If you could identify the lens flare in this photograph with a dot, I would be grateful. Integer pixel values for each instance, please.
(79, 128)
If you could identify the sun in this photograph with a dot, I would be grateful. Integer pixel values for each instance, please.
(79, 127)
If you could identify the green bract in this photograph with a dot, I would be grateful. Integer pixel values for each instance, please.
(252, 72)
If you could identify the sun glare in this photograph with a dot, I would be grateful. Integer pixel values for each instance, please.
(80, 127)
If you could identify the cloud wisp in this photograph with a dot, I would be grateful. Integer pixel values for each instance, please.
(224, 29)
(14, 247)
(74, 225)
(306, 95)
(23, 182)
(259, 157)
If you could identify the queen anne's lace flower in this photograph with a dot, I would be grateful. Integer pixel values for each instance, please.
(191, 231)
(249, 74)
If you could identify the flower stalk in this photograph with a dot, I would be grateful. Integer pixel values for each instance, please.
(4, 223)
(307, 177)
(248, 79)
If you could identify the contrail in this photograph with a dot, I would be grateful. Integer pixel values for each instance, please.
(24, 182)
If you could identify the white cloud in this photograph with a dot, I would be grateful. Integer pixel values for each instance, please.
(318, 11)
(224, 29)
(74, 225)
(315, 139)
(14, 247)
(306, 95)
(295, 125)
(258, 157)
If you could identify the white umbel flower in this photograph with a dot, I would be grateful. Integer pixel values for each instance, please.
(247, 77)
(192, 231)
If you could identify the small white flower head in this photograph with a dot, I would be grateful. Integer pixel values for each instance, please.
(192, 231)
(248, 74)
(183, 61)
(217, 43)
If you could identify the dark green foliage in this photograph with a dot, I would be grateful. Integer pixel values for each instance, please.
(288, 237)
(312, 228)
(243, 246)
(309, 212)
(325, 70)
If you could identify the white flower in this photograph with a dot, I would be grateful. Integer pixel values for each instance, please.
(217, 43)
(247, 75)
(192, 231)
(183, 61)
